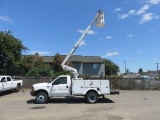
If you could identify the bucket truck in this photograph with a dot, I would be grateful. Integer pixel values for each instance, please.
(64, 85)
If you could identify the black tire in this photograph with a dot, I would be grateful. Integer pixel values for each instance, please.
(92, 97)
(18, 88)
(41, 98)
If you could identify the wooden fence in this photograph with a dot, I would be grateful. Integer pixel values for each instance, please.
(29, 81)
(134, 84)
(119, 83)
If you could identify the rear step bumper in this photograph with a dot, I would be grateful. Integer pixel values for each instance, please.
(114, 92)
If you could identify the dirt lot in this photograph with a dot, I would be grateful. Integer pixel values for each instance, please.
(129, 105)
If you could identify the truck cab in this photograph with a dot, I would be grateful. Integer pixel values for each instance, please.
(61, 86)
(58, 87)
(5, 83)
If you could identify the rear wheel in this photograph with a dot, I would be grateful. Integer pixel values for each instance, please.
(18, 88)
(92, 97)
(41, 98)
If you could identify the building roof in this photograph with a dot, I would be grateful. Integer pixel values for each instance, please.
(48, 59)
(131, 75)
(153, 74)
(75, 58)
(86, 59)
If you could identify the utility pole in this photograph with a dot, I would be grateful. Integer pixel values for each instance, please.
(125, 66)
(157, 66)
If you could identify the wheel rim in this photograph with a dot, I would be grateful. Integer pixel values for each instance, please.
(18, 88)
(41, 99)
(92, 98)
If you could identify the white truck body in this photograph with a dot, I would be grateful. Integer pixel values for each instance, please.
(81, 87)
(7, 83)
(64, 86)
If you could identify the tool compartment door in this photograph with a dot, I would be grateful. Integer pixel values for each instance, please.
(77, 87)
(105, 89)
(92, 84)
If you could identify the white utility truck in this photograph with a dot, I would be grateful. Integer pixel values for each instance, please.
(64, 85)
(7, 83)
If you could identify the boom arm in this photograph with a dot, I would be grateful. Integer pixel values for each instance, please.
(100, 22)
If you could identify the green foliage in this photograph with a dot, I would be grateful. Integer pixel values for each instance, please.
(40, 70)
(57, 63)
(140, 71)
(27, 63)
(110, 68)
(57, 68)
(33, 72)
(11, 49)
(56, 74)
(127, 71)
(35, 66)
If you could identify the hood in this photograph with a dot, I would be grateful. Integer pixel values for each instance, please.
(41, 85)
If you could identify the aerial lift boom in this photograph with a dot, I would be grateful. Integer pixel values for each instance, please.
(99, 23)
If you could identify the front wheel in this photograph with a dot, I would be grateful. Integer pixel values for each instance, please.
(41, 98)
(92, 97)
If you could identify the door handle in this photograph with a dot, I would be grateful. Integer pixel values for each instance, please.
(67, 86)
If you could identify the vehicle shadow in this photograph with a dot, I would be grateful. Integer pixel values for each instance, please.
(71, 100)
(6, 93)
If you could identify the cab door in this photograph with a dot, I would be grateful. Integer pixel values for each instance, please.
(60, 87)
(4, 83)
(9, 83)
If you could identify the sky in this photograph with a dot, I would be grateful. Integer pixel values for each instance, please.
(131, 35)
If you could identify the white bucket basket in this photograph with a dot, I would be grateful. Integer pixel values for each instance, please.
(100, 20)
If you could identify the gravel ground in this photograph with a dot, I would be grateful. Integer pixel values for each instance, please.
(129, 105)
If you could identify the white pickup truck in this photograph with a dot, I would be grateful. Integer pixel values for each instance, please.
(65, 86)
(7, 83)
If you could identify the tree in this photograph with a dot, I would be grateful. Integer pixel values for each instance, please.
(140, 71)
(58, 59)
(35, 66)
(110, 68)
(11, 49)
(57, 68)
(127, 71)
(40, 70)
